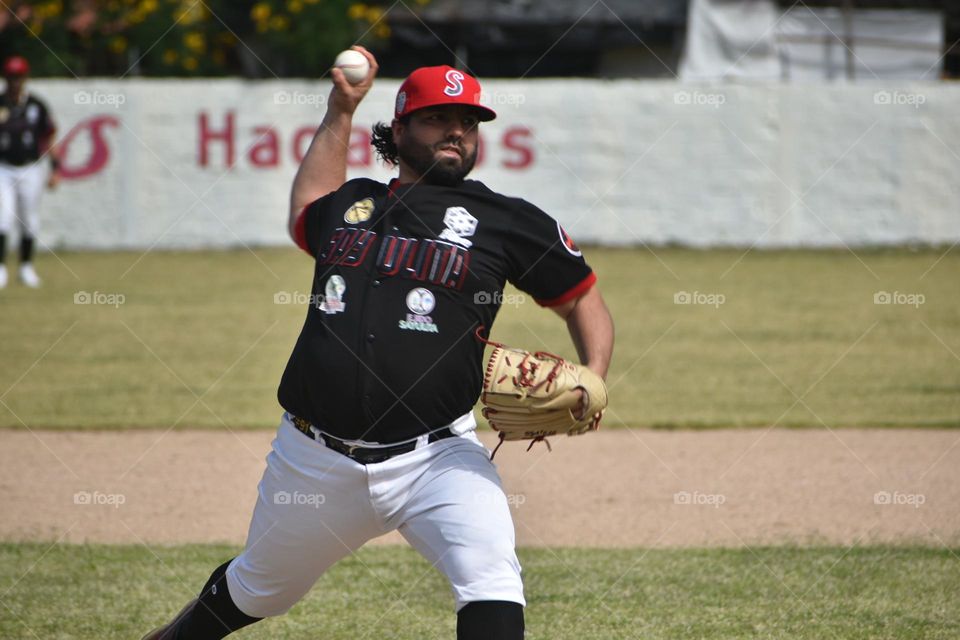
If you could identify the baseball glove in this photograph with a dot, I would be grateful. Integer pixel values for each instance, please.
(529, 396)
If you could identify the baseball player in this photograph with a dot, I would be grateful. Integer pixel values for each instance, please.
(26, 135)
(378, 430)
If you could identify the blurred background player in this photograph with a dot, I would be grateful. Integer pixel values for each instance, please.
(26, 136)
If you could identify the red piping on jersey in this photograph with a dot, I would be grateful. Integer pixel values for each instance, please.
(392, 187)
(574, 292)
(300, 230)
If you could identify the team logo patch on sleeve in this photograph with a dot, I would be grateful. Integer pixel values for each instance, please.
(333, 295)
(460, 224)
(421, 302)
(568, 242)
(359, 211)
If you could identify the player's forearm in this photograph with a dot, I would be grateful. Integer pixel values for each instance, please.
(324, 167)
(591, 329)
(50, 150)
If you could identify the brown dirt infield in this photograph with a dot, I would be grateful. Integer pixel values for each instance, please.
(608, 489)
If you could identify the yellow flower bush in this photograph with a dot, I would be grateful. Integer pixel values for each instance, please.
(195, 41)
(196, 37)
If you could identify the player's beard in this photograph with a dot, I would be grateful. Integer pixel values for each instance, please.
(444, 172)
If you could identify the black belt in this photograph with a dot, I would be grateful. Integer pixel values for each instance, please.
(364, 455)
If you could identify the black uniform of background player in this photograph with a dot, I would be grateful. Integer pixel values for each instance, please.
(26, 131)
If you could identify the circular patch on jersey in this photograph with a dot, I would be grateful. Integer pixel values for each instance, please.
(568, 242)
(401, 101)
(421, 301)
(336, 286)
(359, 211)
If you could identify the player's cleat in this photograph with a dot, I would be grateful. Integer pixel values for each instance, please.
(28, 276)
(168, 631)
(3, 276)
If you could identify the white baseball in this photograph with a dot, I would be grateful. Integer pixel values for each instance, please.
(353, 64)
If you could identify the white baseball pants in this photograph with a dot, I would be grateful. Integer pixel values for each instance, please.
(316, 506)
(20, 191)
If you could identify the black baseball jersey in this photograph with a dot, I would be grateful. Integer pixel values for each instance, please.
(25, 128)
(404, 277)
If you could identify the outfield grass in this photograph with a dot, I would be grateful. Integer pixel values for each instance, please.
(204, 324)
(103, 592)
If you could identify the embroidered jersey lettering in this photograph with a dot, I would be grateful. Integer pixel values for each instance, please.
(437, 262)
(393, 251)
(347, 247)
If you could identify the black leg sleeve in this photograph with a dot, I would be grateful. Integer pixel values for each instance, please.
(490, 620)
(26, 249)
(3, 247)
(215, 615)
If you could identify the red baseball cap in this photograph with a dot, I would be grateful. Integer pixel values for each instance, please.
(434, 86)
(16, 66)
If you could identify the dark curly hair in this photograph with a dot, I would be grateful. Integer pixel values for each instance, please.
(382, 140)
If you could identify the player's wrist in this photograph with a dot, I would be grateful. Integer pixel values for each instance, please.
(338, 116)
(599, 369)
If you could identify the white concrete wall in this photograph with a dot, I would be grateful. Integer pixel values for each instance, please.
(619, 163)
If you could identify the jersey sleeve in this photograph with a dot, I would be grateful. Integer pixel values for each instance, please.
(49, 127)
(306, 229)
(543, 260)
(308, 226)
(45, 127)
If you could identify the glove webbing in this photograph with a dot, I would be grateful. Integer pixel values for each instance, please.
(524, 381)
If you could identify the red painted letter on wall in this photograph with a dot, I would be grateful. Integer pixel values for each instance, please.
(207, 136)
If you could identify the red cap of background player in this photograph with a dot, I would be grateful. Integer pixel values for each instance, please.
(16, 66)
(434, 86)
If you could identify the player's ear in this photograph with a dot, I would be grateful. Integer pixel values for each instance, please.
(398, 126)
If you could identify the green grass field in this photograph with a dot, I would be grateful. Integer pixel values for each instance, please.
(198, 342)
(104, 592)
(797, 341)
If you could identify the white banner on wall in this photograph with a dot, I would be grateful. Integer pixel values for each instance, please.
(208, 163)
(759, 40)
